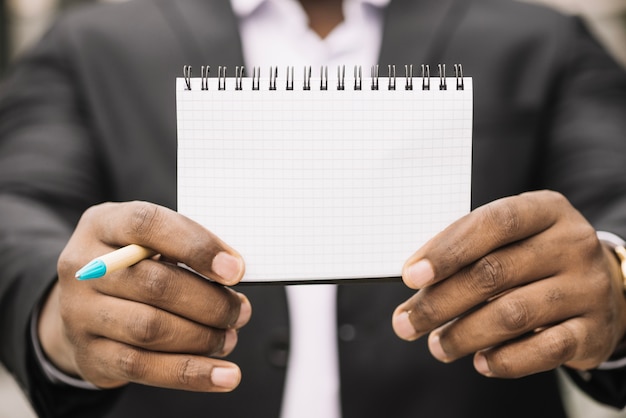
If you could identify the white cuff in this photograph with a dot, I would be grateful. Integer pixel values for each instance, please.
(610, 239)
(612, 364)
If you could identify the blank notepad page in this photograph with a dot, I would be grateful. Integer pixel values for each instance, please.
(323, 184)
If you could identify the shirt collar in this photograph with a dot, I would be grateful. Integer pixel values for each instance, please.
(244, 8)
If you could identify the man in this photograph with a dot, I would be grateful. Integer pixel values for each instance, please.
(519, 287)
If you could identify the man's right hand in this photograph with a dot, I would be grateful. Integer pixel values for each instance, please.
(154, 323)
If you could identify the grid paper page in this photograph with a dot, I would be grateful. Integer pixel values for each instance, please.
(324, 184)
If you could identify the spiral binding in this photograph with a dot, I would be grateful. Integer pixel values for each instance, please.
(341, 77)
(358, 78)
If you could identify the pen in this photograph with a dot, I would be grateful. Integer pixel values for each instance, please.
(116, 260)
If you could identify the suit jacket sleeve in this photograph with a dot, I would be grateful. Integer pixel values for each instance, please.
(49, 174)
(585, 154)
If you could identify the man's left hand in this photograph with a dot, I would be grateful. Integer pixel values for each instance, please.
(522, 283)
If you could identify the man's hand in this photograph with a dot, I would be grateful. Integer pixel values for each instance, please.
(523, 283)
(154, 323)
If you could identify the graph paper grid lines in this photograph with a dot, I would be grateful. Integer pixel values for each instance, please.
(323, 184)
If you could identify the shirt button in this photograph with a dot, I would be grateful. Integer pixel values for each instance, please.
(347, 332)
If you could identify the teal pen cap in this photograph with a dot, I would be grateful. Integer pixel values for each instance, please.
(93, 270)
(106, 264)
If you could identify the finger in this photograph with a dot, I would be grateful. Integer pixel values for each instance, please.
(153, 329)
(541, 351)
(523, 310)
(482, 231)
(117, 363)
(168, 233)
(180, 292)
(499, 271)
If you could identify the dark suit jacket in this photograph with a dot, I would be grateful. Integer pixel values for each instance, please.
(89, 116)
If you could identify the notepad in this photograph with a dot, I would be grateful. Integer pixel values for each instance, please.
(313, 180)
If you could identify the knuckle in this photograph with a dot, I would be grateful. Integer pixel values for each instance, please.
(514, 315)
(132, 365)
(584, 236)
(187, 371)
(452, 342)
(593, 345)
(561, 347)
(502, 364)
(201, 248)
(588, 235)
(68, 314)
(548, 197)
(425, 315)
(145, 329)
(199, 251)
(601, 286)
(67, 264)
(554, 295)
(144, 218)
(234, 307)
(214, 343)
(95, 367)
(505, 220)
(155, 284)
(508, 365)
(557, 198)
(554, 196)
(73, 330)
(93, 212)
(454, 254)
(488, 275)
(223, 309)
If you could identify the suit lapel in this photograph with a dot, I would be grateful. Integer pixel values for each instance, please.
(418, 31)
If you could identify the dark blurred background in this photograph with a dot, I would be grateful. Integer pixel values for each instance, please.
(605, 18)
(22, 22)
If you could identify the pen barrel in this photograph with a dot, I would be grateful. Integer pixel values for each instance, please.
(125, 257)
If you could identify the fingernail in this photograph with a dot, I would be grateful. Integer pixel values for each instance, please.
(227, 266)
(230, 340)
(225, 377)
(434, 345)
(419, 274)
(403, 327)
(245, 312)
(481, 365)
